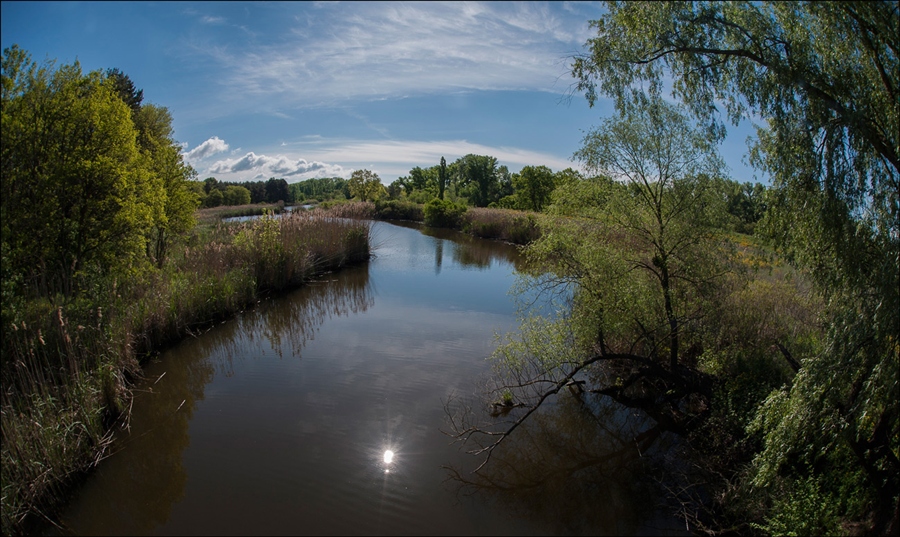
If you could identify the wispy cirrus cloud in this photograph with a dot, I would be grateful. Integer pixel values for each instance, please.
(385, 50)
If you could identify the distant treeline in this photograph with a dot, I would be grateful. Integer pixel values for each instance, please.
(214, 193)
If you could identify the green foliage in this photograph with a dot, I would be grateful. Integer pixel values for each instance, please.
(77, 192)
(365, 185)
(585, 198)
(443, 178)
(214, 198)
(443, 213)
(804, 509)
(124, 86)
(399, 210)
(533, 185)
(479, 179)
(176, 214)
(667, 205)
(236, 195)
(823, 76)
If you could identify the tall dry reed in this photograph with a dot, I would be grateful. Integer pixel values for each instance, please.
(66, 371)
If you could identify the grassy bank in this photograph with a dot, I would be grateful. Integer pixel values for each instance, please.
(214, 214)
(68, 364)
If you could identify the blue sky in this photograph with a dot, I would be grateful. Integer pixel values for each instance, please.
(319, 89)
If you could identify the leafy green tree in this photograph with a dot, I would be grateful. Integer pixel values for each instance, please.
(365, 185)
(443, 213)
(395, 190)
(478, 178)
(77, 194)
(746, 203)
(210, 184)
(655, 150)
(422, 179)
(442, 178)
(235, 195)
(533, 186)
(636, 261)
(173, 176)
(258, 193)
(824, 78)
(214, 198)
(124, 86)
(277, 190)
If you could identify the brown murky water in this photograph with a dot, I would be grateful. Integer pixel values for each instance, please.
(279, 421)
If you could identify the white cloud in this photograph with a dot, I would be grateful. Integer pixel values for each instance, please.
(273, 166)
(208, 148)
(376, 50)
(388, 158)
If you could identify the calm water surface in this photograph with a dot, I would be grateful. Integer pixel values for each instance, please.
(278, 421)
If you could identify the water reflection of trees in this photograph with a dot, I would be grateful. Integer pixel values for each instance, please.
(133, 491)
(296, 319)
(578, 467)
(474, 252)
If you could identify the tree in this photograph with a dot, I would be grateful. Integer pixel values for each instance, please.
(442, 178)
(166, 164)
(235, 195)
(824, 77)
(277, 190)
(639, 272)
(214, 199)
(257, 190)
(365, 185)
(77, 194)
(210, 184)
(533, 185)
(654, 149)
(478, 177)
(124, 86)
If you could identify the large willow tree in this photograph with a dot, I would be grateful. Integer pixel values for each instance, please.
(823, 79)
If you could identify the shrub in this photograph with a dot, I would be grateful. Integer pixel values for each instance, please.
(399, 210)
(443, 213)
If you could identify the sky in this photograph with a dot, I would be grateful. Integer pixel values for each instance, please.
(299, 90)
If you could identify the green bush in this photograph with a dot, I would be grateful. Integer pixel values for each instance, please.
(398, 210)
(443, 213)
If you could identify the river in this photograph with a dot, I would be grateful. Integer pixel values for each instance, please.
(323, 412)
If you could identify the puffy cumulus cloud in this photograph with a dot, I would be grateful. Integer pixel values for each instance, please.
(206, 149)
(278, 165)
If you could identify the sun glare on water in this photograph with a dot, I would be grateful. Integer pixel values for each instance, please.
(388, 456)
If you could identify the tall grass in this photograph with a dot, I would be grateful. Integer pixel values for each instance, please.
(508, 225)
(66, 370)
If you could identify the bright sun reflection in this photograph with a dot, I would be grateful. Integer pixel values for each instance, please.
(388, 456)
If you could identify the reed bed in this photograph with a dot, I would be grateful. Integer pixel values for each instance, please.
(67, 369)
(518, 227)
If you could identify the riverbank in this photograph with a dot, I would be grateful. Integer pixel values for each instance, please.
(69, 363)
(508, 225)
